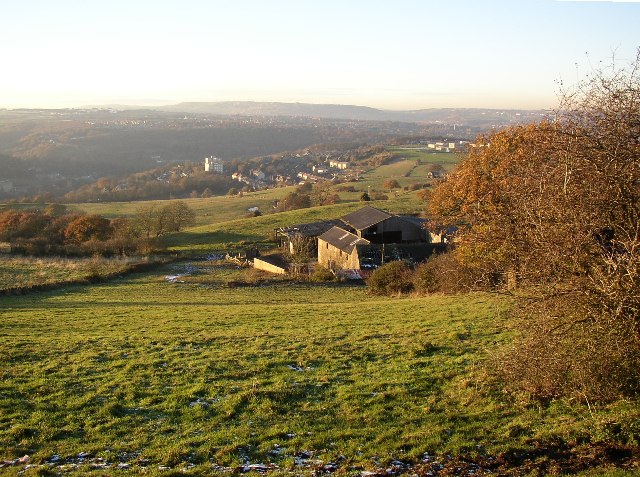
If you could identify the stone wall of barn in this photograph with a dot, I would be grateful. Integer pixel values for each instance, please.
(332, 257)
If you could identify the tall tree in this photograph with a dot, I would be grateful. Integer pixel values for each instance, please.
(555, 208)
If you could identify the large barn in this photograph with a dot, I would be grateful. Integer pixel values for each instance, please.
(378, 226)
(365, 238)
(371, 237)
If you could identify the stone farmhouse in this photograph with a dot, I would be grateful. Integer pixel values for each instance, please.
(364, 239)
(338, 248)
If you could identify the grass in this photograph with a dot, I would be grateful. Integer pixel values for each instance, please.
(162, 376)
(426, 156)
(142, 375)
(397, 169)
(209, 210)
(409, 166)
(29, 271)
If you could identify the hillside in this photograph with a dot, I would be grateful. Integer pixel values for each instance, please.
(64, 149)
(200, 367)
(460, 116)
(192, 375)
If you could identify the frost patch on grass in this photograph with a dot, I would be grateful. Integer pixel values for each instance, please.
(186, 271)
(298, 369)
(202, 402)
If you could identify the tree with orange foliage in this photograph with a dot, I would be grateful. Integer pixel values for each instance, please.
(88, 227)
(554, 210)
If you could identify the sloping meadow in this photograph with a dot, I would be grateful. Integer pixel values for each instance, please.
(154, 376)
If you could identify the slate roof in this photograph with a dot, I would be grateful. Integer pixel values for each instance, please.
(312, 229)
(365, 217)
(418, 221)
(340, 238)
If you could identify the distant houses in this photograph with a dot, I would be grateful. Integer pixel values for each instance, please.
(256, 178)
(335, 164)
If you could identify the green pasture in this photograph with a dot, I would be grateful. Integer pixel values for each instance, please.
(397, 169)
(401, 170)
(409, 166)
(220, 209)
(426, 156)
(159, 377)
(208, 210)
(17, 271)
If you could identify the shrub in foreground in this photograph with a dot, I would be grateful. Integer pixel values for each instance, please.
(393, 278)
(444, 273)
(323, 274)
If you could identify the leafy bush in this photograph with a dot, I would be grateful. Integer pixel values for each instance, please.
(322, 274)
(559, 354)
(444, 273)
(391, 184)
(393, 278)
(379, 196)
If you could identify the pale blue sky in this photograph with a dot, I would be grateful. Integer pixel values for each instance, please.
(405, 54)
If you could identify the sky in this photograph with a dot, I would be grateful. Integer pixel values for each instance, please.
(401, 54)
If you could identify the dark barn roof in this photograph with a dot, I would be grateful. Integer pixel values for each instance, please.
(417, 221)
(366, 217)
(340, 238)
(312, 229)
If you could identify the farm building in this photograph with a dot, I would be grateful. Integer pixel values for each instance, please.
(338, 248)
(271, 263)
(370, 237)
(378, 226)
(289, 237)
(365, 238)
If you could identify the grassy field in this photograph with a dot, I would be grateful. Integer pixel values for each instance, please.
(18, 271)
(154, 376)
(198, 369)
(409, 166)
(209, 210)
(426, 156)
(216, 210)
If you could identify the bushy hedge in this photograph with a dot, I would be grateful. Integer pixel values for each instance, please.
(442, 273)
(393, 278)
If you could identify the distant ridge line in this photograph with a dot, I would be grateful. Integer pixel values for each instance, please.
(352, 112)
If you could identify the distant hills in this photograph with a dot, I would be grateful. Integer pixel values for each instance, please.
(466, 116)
